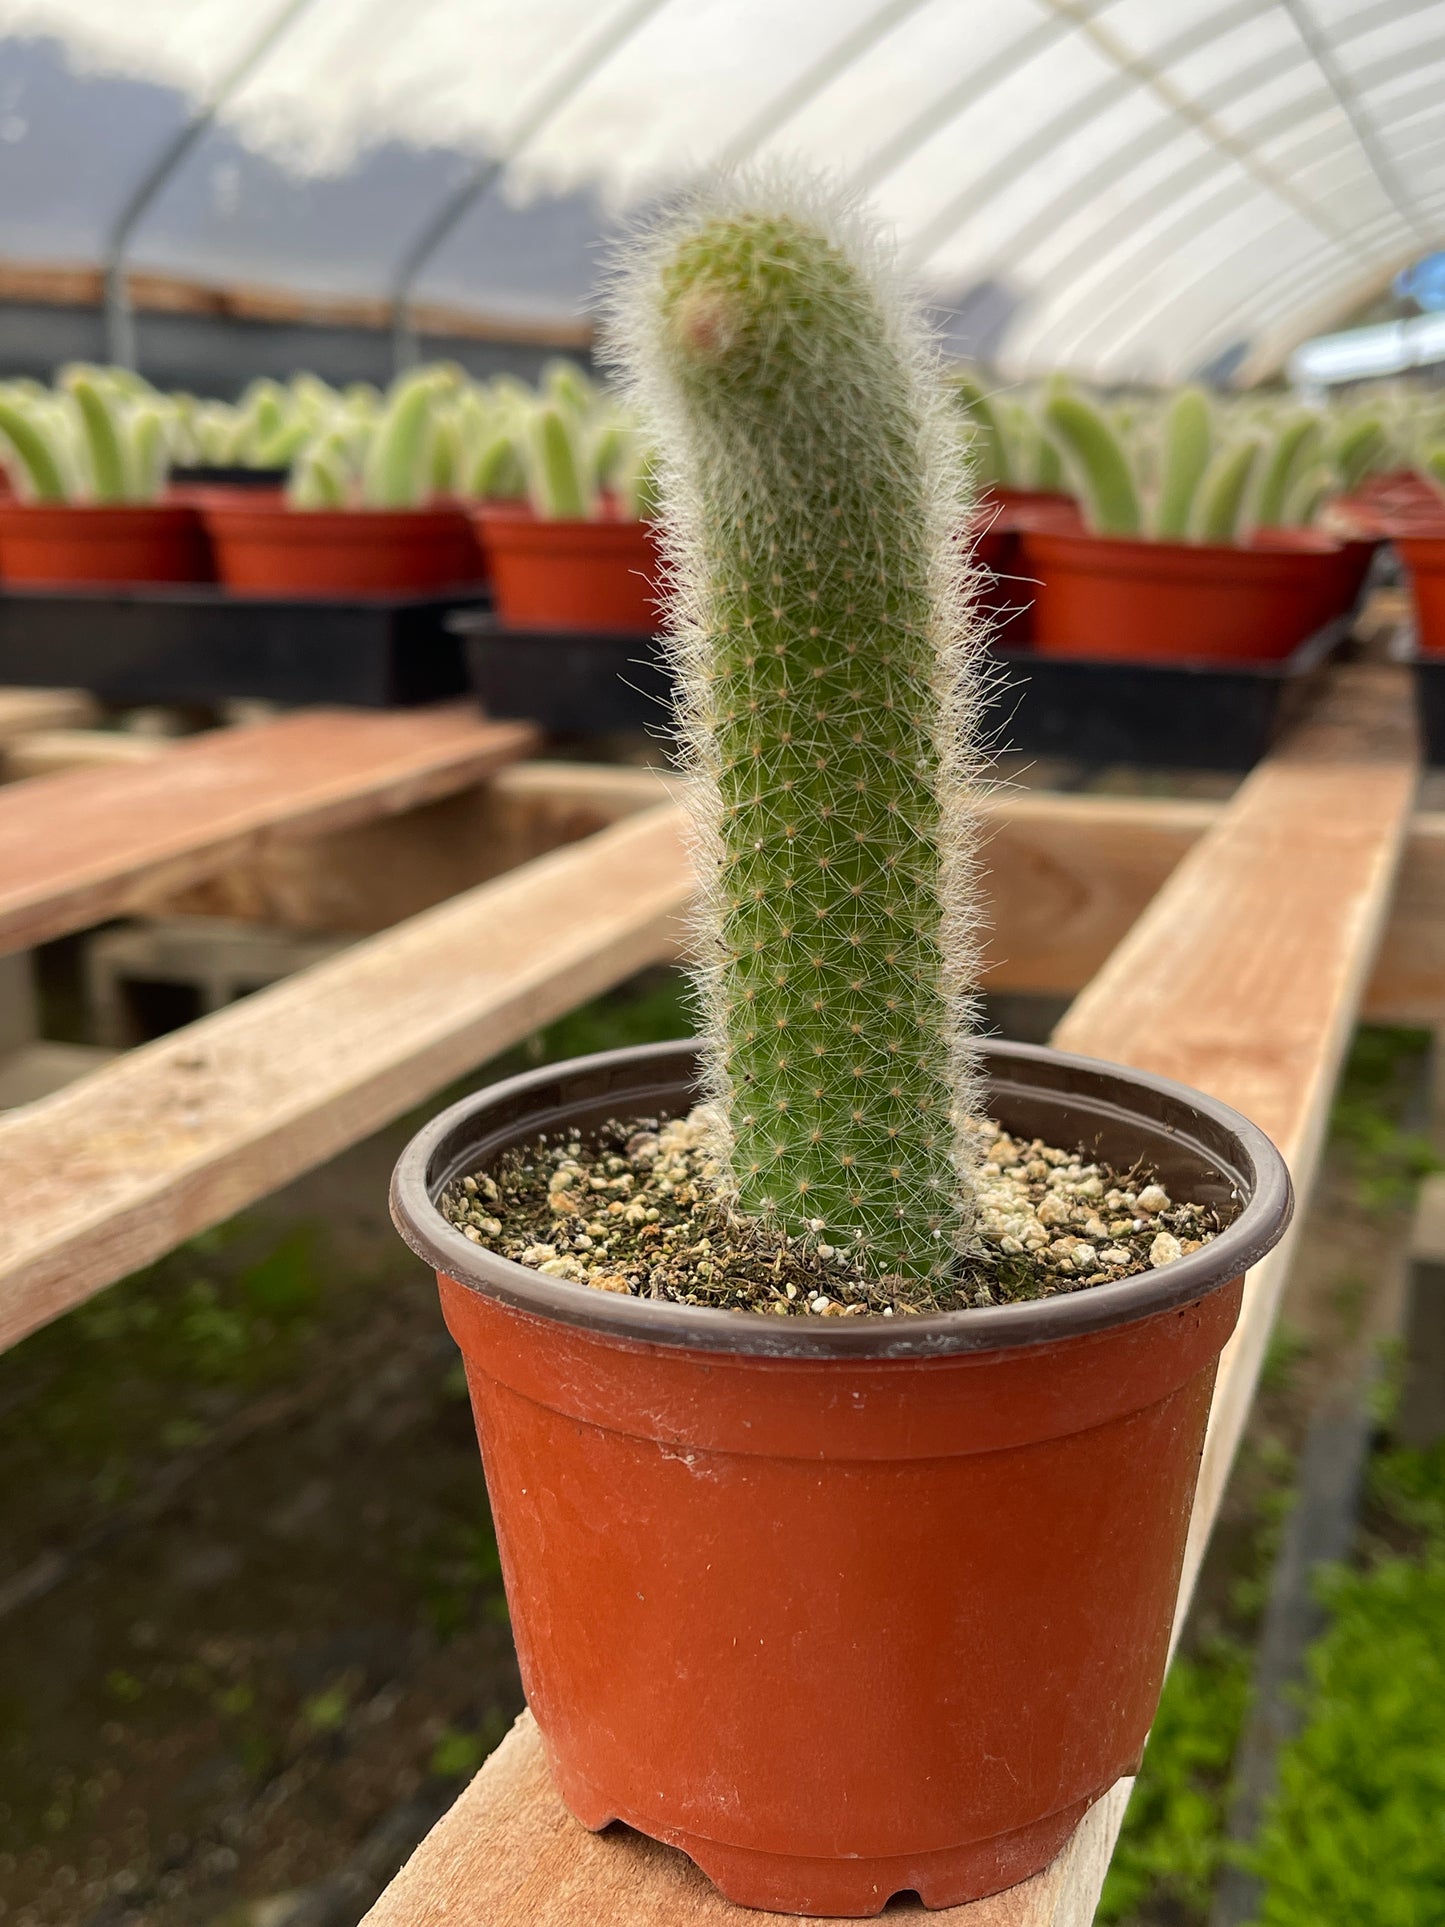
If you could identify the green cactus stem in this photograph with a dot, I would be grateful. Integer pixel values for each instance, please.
(1294, 451)
(37, 464)
(1219, 509)
(830, 672)
(397, 470)
(1358, 449)
(102, 435)
(147, 452)
(1307, 495)
(497, 474)
(1188, 436)
(988, 446)
(559, 482)
(319, 476)
(1100, 463)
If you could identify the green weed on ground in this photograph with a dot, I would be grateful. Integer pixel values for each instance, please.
(1356, 1832)
(1389, 1159)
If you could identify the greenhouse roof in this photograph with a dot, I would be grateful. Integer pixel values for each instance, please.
(1128, 188)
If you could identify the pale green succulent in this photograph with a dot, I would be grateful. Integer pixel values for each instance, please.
(1190, 475)
(100, 436)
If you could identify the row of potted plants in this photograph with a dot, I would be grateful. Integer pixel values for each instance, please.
(1179, 526)
(1182, 525)
(440, 482)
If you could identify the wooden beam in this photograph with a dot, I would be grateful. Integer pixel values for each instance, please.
(81, 846)
(46, 752)
(367, 878)
(1243, 976)
(22, 710)
(178, 1135)
(70, 285)
(1066, 875)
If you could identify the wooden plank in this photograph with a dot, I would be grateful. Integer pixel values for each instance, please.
(44, 752)
(178, 1135)
(1243, 976)
(22, 710)
(76, 848)
(1066, 875)
(71, 285)
(374, 875)
(1407, 985)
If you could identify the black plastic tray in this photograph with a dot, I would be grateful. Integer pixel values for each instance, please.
(1164, 715)
(197, 644)
(1429, 674)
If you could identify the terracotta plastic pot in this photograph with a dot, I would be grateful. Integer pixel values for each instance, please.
(845, 1608)
(1007, 593)
(265, 547)
(1424, 557)
(1018, 507)
(1124, 597)
(102, 543)
(570, 575)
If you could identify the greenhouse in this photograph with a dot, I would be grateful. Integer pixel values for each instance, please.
(721, 745)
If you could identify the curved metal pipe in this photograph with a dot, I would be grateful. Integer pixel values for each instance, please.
(1116, 264)
(1084, 190)
(1195, 220)
(1133, 71)
(548, 104)
(1348, 96)
(119, 321)
(809, 84)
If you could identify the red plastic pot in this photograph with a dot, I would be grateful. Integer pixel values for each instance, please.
(570, 575)
(1007, 592)
(1125, 597)
(265, 547)
(102, 543)
(1019, 507)
(845, 1608)
(1424, 557)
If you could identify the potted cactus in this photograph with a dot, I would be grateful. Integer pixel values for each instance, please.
(565, 491)
(841, 1542)
(251, 443)
(1195, 544)
(87, 465)
(1420, 539)
(1020, 479)
(1018, 469)
(361, 513)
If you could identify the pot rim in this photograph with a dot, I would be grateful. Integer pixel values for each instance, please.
(1127, 554)
(1257, 1168)
(250, 509)
(168, 509)
(516, 519)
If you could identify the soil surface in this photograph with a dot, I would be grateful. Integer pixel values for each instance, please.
(637, 1211)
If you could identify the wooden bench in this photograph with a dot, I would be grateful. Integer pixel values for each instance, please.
(85, 844)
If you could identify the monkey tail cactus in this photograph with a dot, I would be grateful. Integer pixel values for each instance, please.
(812, 492)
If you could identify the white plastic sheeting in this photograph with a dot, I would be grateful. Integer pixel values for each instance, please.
(1132, 188)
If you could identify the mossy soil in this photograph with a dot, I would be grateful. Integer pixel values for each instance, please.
(252, 1634)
